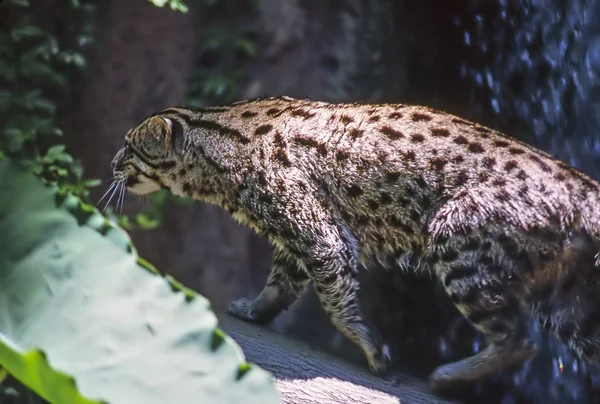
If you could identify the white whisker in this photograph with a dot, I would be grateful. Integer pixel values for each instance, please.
(118, 183)
(114, 183)
(121, 201)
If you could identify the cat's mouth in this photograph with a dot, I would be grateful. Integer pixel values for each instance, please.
(141, 185)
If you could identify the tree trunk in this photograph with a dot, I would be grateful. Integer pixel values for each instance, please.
(307, 376)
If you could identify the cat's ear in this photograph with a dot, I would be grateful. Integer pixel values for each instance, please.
(162, 128)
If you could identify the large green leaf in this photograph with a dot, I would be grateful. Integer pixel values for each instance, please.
(84, 320)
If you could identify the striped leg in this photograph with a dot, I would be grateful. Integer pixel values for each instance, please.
(285, 283)
(480, 288)
(334, 272)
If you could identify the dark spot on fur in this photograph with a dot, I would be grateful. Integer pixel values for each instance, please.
(263, 129)
(167, 165)
(354, 191)
(373, 204)
(374, 118)
(417, 138)
(273, 111)
(501, 143)
(459, 271)
(438, 163)
(471, 245)
(440, 132)
(510, 165)
(503, 196)
(346, 119)
(187, 188)
(404, 202)
(392, 176)
(382, 156)
(421, 117)
(420, 181)
(398, 223)
(475, 148)
(182, 172)
(461, 178)
(486, 260)
(249, 114)
(425, 202)
(391, 133)
(449, 255)
(488, 162)
(386, 198)
(341, 155)
(262, 178)
(545, 167)
(483, 176)
(302, 113)
(265, 198)
(395, 115)
(560, 177)
(481, 129)
(522, 175)
(458, 159)
(499, 182)
(309, 142)
(516, 151)
(223, 130)
(410, 156)
(355, 133)
(461, 140)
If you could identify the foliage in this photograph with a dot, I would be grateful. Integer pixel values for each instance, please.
(34, 66)
(176, 5)
(84, 319)
(222, 56)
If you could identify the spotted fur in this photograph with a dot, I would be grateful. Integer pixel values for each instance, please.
(507, 229)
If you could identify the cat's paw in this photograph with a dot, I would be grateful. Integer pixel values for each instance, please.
(242, 309)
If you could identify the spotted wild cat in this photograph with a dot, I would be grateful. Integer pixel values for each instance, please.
(507, 229)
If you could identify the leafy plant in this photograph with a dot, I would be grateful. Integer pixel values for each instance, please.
(175, 5)
(33, 75)
(83, 319)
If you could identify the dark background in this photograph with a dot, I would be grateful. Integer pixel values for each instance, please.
(528, 68)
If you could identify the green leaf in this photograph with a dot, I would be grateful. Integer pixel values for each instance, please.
(22, 31)
(246, 46)
(84, 320)
(175, 5)
(90, 183)
(147, 221)
(159, 3)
